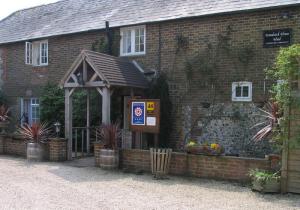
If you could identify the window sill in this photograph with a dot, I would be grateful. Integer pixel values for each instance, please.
(241, 99)
(132, 55)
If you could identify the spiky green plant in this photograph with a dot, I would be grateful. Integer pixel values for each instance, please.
(109, 135)
(4, 113)
(37, 133)
(272, 114)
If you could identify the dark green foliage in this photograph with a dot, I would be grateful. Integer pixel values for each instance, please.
(3, 98)
(159, 89)
(79, 108)
(52, 104)
(101, 45)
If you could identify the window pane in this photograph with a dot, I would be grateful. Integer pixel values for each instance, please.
(44, 53)
(245, 91)
(238, 91)
(127, 42)
(139, 40)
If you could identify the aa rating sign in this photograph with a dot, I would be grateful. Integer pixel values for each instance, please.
(145, 115)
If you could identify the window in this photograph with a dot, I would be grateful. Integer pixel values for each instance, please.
(133, 41)
(30, 110)
(242, 91)
(28, 53)
(36, 53)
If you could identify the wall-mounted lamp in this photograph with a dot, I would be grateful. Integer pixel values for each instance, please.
(57, 128)
(80, 78)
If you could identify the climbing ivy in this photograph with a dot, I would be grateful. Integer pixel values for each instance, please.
(286, 71)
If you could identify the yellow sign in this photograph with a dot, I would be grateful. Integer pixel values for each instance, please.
(150, 106)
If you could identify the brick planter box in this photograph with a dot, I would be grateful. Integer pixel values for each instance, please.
(57, 149)
(216, 167)
(14, 145)
(2, 140)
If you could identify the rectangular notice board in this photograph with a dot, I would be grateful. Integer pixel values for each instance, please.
(145, 115)
(277, 37)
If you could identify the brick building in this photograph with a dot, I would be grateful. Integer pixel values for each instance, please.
(213, 52)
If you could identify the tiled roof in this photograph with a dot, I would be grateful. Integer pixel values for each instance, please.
(72, 16)
(114, 70)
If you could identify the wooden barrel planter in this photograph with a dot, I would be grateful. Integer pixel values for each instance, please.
(109, 159)
(36, 151)
(160, 162)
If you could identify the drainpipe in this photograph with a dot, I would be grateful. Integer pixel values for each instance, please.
(109, 37)
(159, 47)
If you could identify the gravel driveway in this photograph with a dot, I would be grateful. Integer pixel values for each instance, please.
(59, 186)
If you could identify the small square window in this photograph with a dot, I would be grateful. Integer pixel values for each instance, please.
(133, 41)
(242, 91)
(36, 53)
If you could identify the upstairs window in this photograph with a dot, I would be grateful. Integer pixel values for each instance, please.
(36, 53)
(242, 91)
(133, 41)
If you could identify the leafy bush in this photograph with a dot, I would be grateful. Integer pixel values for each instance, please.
(285, 69)
(52, 104)
(110, 135)
(263, 176)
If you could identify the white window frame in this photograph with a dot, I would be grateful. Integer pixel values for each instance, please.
(46, 52)
(32, 102)
(132, 29)
(33, 53)
(28, 53)
(243, 84)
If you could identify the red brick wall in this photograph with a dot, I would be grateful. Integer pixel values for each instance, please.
(57, 149)
(222, 167)
(14, 146)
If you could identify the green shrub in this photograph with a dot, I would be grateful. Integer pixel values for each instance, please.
(263, 176)
(52, 104)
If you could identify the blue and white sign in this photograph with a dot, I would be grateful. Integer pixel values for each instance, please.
(138, 113)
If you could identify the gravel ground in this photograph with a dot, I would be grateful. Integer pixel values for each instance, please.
(46, 185)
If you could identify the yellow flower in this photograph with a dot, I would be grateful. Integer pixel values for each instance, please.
(214, 146)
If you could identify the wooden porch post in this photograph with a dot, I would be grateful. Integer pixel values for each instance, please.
(106, 98)
(88, 122)
(68, 121)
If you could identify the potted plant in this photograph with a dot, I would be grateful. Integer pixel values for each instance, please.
(4, 118)
(36, 136)
(265, 181)
(109, 136)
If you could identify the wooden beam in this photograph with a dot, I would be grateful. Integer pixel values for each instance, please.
(99, 91)
(95, 84)
(94, 77)
(106, 98)
(68, 122)
(71, 92)
(88, 122)
(84, 71)
(74, 78)
(86, 85)
(71, 85)
(285, 155)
